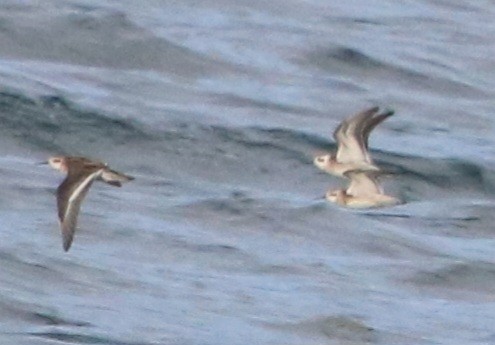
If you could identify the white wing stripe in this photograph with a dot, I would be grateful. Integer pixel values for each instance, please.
(80, 188)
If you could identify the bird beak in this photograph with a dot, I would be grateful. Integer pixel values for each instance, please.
(42, 163)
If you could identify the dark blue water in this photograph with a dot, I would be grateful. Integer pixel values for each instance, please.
(217, 107)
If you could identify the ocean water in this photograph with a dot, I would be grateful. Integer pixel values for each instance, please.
(217, 108)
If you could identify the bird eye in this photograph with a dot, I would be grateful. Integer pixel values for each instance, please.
(320, 159)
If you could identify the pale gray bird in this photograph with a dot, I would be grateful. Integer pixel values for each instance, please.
(364, 191)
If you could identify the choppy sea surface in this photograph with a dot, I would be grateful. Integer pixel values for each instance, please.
(217, 108)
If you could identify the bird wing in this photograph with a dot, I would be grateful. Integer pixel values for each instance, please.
(363, 183)
(70, 195)
(352, 146)
(371, 123)
(114, 178)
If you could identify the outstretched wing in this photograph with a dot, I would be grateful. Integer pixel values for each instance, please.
(70, 195)
(352, 146)
(371, 123)
(363, 183)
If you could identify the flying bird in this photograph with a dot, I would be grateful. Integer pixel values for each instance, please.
(352, 141)
(364, 191)
(81, 173)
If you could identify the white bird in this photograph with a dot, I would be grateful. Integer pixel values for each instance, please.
(352, 139)
(364, 191)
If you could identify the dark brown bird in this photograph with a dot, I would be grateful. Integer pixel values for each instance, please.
(81, 173)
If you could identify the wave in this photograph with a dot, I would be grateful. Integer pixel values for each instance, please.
(343, 329)
(350, 61)
(98, 37)
(471, 280)
(54, 123)
(75, 338)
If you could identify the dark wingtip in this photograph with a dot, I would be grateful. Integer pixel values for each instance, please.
(114, 183)
(66, 241)
(67, 246)
(388, 112)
